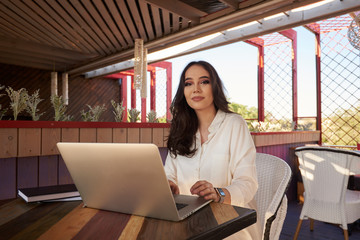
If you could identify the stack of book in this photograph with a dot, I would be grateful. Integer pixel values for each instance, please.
(67, 192)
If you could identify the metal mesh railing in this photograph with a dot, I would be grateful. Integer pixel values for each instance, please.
(161, 96)
(340, 84)
(278, 81)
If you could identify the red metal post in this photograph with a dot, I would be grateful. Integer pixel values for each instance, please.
(153, 90)
(259, 43)
(133, 93)
(143, 110)
(292, 34)
(318, 85)
(124, 96)
(168, 89)
(315, 28)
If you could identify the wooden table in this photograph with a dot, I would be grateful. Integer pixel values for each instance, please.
(69, 220)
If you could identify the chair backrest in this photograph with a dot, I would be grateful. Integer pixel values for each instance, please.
(274, 176)
(325, 172)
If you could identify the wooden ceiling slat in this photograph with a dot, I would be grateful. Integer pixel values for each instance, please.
(29, 16)
(68, 28)
(83, 19)
(51, 18)
(179, 8)
(157, 21)
(119, 21)
(135, 13)
(125, 13)
(176, 23)
(107, 36)
(145, 13)
(30, 62)
(23, 35)
(166, 21)
(7, 30)
(40, 57)
(26, 27)
(43, 25)
(77, 26)
(39, 49)
(114, 30)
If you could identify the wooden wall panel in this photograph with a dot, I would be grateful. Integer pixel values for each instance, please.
(145, 135)
(87, 134)
(27, 172)
(82, 92)
(49, 138)
(7, 178)
(133, 135)
(8, 140)
(119, 135)
(48, 170)
(70, 134)
(158, 137)
(29, 142)
(104, 135)
(64, 175)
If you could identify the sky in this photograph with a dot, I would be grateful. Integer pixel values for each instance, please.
(236, 65)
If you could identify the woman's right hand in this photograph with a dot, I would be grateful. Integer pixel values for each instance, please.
(174, 188)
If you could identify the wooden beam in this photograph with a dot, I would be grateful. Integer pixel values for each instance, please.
(179, 8)
(234, 4)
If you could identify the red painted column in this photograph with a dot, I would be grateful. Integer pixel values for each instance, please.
(124, 96)
(315, 28)
(168, 89)
(153, 90)
(143, 109)
(259, 43)
(133, 93)
(292, 34)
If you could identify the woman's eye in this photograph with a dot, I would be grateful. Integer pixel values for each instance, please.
(206, 82)
(187, 84)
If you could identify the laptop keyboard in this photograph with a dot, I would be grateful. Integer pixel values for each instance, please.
(180, 205)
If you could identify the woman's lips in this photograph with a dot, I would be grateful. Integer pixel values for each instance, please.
(196, 99)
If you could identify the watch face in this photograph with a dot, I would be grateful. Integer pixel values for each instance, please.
(222, 193)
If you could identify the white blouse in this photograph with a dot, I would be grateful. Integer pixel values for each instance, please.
(226, 159)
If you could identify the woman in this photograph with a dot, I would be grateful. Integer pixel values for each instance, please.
(211, 151)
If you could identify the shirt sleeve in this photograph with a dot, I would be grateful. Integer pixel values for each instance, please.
(244, 182)
(170, 168)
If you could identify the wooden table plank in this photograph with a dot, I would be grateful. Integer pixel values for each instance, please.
(71, 224)
(132, 229)
(69, 220)
(37, 220)
(13, 209)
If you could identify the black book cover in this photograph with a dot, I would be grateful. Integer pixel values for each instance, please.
(48, 192)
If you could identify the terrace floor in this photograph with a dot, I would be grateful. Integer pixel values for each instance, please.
(322, 231)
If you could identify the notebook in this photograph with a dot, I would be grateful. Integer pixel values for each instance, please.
(126, 178)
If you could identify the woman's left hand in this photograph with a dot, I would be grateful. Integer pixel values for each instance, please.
(206, 190)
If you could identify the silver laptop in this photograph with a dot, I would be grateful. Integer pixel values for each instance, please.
(127, 178)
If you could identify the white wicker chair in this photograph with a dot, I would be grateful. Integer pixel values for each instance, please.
(274, 176)
(325, 173)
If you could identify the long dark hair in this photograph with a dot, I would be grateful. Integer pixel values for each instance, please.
(185, 123)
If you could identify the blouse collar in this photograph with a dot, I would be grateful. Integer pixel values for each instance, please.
(215, 125)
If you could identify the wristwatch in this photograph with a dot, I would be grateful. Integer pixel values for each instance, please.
(221, 194)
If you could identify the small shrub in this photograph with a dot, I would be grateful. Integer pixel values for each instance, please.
(2, 111)
(17, 100)
(134, 115)
(32, 103)
(93, 115)
(59, 109)
(118, 110)
(151, 116)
